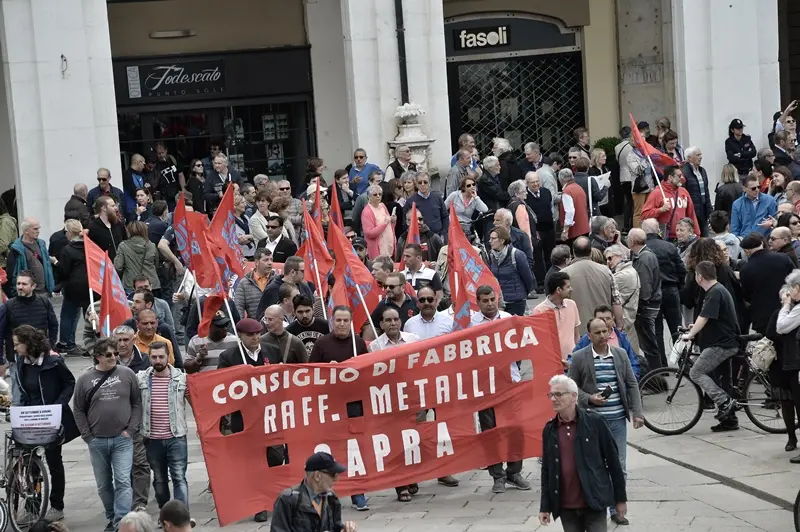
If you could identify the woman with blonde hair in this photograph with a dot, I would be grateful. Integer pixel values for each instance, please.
(728, 190)
(377, 224)
(71, 275)
(138, 256)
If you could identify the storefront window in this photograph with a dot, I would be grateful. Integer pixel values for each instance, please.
(264, 138)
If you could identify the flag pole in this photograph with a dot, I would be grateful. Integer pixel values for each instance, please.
(353, 336)
(369, 317)
(319, 287)
(91, 306)
(238, 340)
(656, 179)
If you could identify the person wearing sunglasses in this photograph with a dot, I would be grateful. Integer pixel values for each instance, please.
(360, 171)
(195, 182)
(396, 298)
(401, 164)
(105, 188)
(313, 506)
(466, 202)
(108, 412)
(754, 211)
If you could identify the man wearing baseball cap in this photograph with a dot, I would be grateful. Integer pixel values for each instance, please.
(312, 506)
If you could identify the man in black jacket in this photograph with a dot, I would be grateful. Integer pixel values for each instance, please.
(762, 277)
(579, 482)
(739, 147)
(697, 186)
(645, 263)
(107, 229)
(540, 200)
(673, 275)
(784, 145)
(214, 186)
(281, 247)
(76, 208)
(27, 308)
(312, 506)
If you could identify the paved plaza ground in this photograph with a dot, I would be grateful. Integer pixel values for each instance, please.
(700, 481)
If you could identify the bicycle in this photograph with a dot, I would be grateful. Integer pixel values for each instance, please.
(26, 480)
(672, 403)
(797, 513)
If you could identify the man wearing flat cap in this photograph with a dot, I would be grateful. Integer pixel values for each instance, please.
(312, 506)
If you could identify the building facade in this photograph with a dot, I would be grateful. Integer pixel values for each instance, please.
(88, 83)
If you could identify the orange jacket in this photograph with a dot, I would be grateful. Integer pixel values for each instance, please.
(684, 209)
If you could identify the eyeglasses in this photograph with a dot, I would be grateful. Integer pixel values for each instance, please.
(198, 165)
(753, 188)
(112, 354)
(285, 188)
(425, 299)
(376, 195)
(102, 179)
(790, 121)
(422, 182)
(557, 394)
(470, 185)
(420, 219)
(608, 259)
(360, 157)
(776, 238)
(390, 286)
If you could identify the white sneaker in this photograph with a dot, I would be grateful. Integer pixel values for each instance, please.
(54, 515)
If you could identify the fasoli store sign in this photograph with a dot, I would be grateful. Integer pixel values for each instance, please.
(175, 80)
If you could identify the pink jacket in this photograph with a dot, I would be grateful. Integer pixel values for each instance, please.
(380, 237)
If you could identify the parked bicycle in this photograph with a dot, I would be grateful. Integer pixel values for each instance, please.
(26, 481)
(672, 403)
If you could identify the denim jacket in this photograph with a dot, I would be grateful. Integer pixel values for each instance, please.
(177, 401)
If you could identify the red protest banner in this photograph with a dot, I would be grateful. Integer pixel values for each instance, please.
(305, 408)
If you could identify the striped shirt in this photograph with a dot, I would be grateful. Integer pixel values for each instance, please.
(215, 349)
(159, 408)
(606, 375)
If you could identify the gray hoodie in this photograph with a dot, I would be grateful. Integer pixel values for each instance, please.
(732, 241)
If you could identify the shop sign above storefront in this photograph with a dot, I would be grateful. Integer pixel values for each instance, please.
(481, 38)
(175, 79)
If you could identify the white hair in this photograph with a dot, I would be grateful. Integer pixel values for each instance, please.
(260, 179)
(691, 151)
(793, 279)
(516, 186)
(27, 223)
(491, 162)
(222, 157)
(502, 145)
(618, 250)
(650, 226)
(505, 214)
(532, 147)
(374, 188)
(571, 385)
(141, 521)
(565, 174)
(123, 329)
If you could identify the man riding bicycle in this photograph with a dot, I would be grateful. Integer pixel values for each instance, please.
(717, 333)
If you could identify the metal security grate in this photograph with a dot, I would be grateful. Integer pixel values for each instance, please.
(532, 99)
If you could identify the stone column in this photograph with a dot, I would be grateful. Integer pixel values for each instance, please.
(59, 121)
(722, 74)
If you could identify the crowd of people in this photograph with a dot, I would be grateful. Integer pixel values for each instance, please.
(544, 225)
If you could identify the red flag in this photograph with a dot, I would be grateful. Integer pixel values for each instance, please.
(462, 259)
(222, 232)
(315, 254)
(212, 304)
(201, 254)
(181, 230)
(95, 264)
(350, 271)
(335, 214)
(412, 237)
(114, 309)
(660, 160)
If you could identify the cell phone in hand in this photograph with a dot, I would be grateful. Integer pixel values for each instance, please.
(606, 393)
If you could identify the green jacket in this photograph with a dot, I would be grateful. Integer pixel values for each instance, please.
(8, 233)
(137, 256)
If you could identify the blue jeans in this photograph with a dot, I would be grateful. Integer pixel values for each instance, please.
(619, 430)
(168, 459)
(112, 461)
(70, 312)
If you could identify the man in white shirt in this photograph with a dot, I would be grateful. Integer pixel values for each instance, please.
(392, 335)
(428, 323)
(487, 302)
(418, 274)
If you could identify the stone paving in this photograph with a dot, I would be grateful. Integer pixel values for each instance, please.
(662, 494)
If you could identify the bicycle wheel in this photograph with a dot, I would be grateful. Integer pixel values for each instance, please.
(3, 516)
(671, 403)
(763, 411)
(27, 491)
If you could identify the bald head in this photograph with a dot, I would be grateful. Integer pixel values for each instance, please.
(636, 238)
(780, 237)
(650, 226)
(80, 190)
(274, 318)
